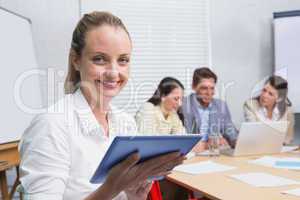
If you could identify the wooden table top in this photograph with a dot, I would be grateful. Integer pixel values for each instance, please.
(220, 186)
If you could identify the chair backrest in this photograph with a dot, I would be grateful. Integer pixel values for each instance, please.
(155, 193)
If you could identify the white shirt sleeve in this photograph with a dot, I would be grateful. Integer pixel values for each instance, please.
(45, 158)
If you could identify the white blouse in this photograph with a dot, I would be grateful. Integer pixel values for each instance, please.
(61, 149)
(263, 114)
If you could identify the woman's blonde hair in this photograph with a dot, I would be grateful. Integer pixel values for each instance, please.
(87, 23)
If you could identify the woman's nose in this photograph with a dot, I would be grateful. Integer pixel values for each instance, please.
(112, 70)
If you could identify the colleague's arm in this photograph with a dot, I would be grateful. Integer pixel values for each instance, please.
(145, 119)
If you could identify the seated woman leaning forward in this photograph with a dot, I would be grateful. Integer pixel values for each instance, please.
(159, 115)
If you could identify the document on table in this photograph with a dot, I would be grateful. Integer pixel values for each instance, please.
(203, 167)
(282, 163)
(258, 179)
(295, 192)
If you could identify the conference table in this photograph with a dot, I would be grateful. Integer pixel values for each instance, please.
(219, 185)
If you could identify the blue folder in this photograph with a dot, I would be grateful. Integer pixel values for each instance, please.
(147, 147)
(288, 164)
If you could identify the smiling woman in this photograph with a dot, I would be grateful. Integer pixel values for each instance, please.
(60, 151)
(101, 66)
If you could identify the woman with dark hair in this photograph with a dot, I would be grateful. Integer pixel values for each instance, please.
(159, 115)
(272, 105)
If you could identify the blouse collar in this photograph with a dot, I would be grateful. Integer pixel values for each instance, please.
(87, 119)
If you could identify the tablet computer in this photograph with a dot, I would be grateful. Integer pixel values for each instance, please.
(147, 146)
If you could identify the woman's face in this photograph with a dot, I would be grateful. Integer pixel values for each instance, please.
(269, 96)
(104, 61)
(173, 100)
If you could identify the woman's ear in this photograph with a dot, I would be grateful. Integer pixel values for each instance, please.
(74, 58)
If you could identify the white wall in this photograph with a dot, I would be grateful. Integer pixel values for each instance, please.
(242, 45)
(52, 24)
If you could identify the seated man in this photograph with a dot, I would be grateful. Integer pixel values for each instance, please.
(204, 114)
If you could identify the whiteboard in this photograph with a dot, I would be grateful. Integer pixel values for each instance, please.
(19, 83)
(287, 52)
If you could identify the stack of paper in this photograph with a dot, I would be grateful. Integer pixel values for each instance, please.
(263, 180)
(203, 168)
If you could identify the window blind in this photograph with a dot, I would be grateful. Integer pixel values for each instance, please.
(170, 38)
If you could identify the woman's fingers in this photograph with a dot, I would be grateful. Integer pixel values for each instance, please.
(144, 189)
(169, 166)
(122, 170)
(146, 168)
(159, 168)
(129, 162)
(159, 160)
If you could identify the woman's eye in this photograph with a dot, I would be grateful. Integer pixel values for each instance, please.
(99, 60)
(124, 61)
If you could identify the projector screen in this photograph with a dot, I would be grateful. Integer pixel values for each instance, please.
(19, 83)
(287, 52)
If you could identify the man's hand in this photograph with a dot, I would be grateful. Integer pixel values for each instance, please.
(200, 147)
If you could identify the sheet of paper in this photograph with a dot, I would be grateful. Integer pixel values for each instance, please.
(295, 192)
(267, 161)
(270, 161)
(289, 148)
(263, 180)
(203, 167)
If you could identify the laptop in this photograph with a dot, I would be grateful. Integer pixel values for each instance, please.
(259, 138)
